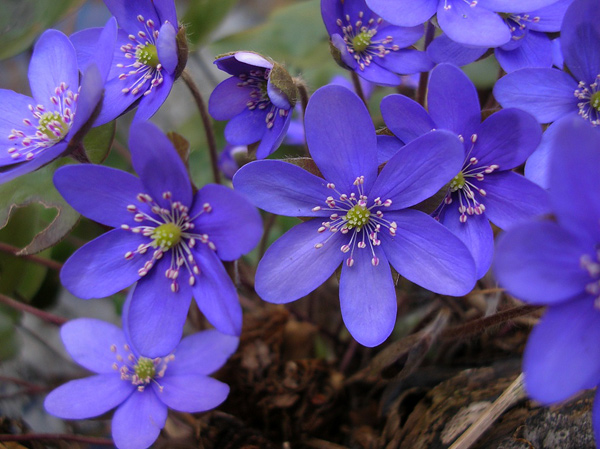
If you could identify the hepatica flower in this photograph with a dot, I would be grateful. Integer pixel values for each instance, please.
(146, 57)
(552, 95)
(371, 47)
(359, 218)
(484, 188)
(35, 131)
(557, 263)
(257, 100)
(169, 240)
(141, 388)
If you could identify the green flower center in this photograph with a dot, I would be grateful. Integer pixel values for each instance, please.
(166, 236)
(357, 217)
(147, 55)
(595, 101)
(145, 369)
(361, 41)
(458, 182)
(53, 125)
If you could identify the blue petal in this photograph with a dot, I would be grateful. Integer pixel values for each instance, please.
(90, 96)
(562, 355)
(273, 136)
(192, 393)
(166, 11)
(14, 108)
(166, 45)
(419, 169)
(547, 94)
(452, 100)
(331, 10)
(443, 49)
(115, 102)
(247, 127)
(341, 137)
(579, 38)
(152, 100)
(535, 51)
(89, 397)
(155, 314)
(368, 298)
(538, 262)
(406, 118)
(127, 12)
(405, 62)
(53, 62)
(292, 267)
(387, 146)
(90, 341)
(202, 353)
(537, 167)
(512, 6)
(228, 99)
(242, 62)
(550, 17)
(99, 268)
(404, 12)
(159, 166)
(48, 155)
(277, 96)
(215, 293)
(428, 254)
(96, 46)
(511, 198)
(138, 421)
(222, 223)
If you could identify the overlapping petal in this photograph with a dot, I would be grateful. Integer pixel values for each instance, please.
(580, 34)
(202, 353)
(149, 104)
(192, 393)
(406, 118)
(138, 421)
(228, 99)
(404, 12)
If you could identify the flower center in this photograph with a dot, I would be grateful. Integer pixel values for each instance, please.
(357, 217)
(144, 369)
(589, 100)
(593, 269)
(595, 101)
(147, 55)
(139, 371)
(458, 182)
(166, 236)
(361, 41)
(53, 125)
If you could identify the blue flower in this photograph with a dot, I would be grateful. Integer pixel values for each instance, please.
(470, 22)
(166, 238)
(557, 263)
(145, 58)
(484, 188)
(141, 388)
(257, 109)
(359, 218)
(551, 95)
(35, 131)
(371, 47)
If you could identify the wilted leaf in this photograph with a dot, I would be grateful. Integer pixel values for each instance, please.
(181, 145)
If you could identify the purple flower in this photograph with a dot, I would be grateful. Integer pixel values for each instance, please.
(359, 218)
(484, 188)
(373, 48)
(228, 160)
(256, 108)
(141, 388)
(470, 22)
(552, 95)
(35, 131)
(166, 238)
(529, 46)
(557, 263)
(145, 58)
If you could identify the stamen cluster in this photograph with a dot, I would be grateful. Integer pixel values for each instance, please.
(259, 98)
(589, 104)
(140, 371)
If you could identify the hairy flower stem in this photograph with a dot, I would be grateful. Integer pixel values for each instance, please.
(53, 265)
(358, 88)
(424, 77)
(48, 317)
(206, 121)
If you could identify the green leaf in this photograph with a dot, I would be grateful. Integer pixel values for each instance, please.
(203, 17)
(97, 142)
(37, 188)
(22, 21)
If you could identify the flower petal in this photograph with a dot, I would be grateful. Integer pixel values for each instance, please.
(90, 343)
(99, 268)
(444, 49)
(283, 188)
(228, 99)
(452, 100)
(341, 136)
(202, 353)
(151, 102)
(53, 62)
(241, 62)
(99, 193)
(155, 315)
(368, 298)
(166, 46)
(159, 166)
(387, 146)
(12, 171)
(272, 138)
(406, 118)
(127, 14)
(233, 224)
(535, 51)
(539, 262)
(166, 11)
(115, 102)
(547, 94)
(404, 12)
(562, 355)
(419, 169)
(292, 267)
(428, 254)
(192, 393)
(537, 166)
(14, 108)
(405, 62)
(90, 96)
(511, 6)
(511, 198)
(579, 37)
(247, 127)
(88, 397)
(138, 421)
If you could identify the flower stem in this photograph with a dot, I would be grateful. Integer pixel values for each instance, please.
(48, 317)
(424, 77)
(53, 265)
(358, 87)
(206, 121)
